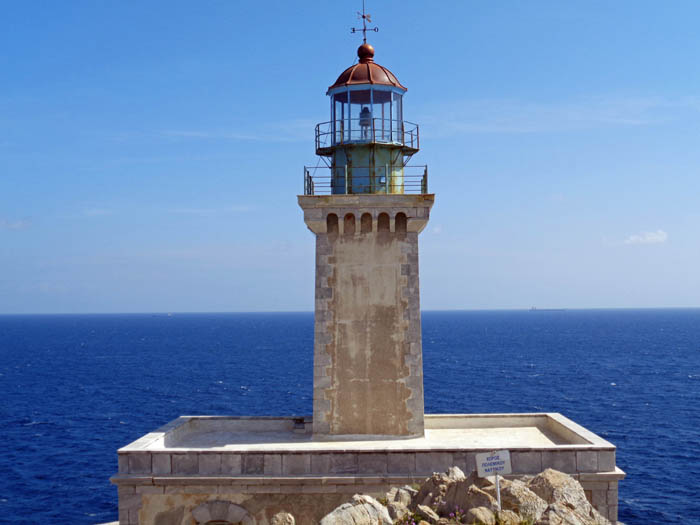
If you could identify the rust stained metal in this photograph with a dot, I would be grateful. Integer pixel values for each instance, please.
(367, 72)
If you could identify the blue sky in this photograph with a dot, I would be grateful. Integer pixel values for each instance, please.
(151, 152)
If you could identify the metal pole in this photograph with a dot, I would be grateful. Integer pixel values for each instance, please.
(346, 179)
(498, 492)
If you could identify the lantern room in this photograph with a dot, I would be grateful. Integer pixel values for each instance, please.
(366, 145)
(366, 103)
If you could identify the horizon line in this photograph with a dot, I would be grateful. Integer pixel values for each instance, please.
(273, 312)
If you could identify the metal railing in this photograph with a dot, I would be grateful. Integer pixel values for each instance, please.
(341, 180)
(367, 131)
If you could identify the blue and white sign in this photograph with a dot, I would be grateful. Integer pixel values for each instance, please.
(492, 463)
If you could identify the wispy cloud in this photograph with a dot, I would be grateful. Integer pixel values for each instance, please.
(97, 212)
(21, 224)
(517, 116)
(657, 237)
(205, 212)
(283, 131)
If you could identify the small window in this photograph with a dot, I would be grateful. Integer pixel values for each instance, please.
(349, 224)
(332, 224)
(383, 222)
(401, 223)
(366, 223)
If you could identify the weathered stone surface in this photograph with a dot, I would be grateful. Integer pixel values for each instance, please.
(455, 474)
(567, 500)
(556, 487)
(427, 514)
(434, 489)
(563, 514)
(517, 497)
(367, 317)
(473, 497)
(481, 515)
(507, 517)
(405, 496)
(362, 510)
(282, 518)
(168, 517)
(397, 510)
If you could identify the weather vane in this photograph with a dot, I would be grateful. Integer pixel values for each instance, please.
(365, 17)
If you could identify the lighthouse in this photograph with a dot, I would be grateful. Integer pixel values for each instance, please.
(367, 205)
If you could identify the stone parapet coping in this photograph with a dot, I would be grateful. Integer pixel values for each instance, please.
(292, 435)
(366, 200)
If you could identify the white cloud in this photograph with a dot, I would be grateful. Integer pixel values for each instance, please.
(657, 237)
(14, 224)
(522, 116)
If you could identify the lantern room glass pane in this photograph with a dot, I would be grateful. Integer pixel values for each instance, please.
(381, 112)
(340, 111)
(361, 115)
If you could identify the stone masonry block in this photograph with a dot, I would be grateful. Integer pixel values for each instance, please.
(401, 463)
(161, 464)
(343, 463)
(210, 464)
(320, 463)
(150, 489)
(185, 463)
(606, 461)
(318, 489)
(296, 464)
(372, 463)
(526, 462)
(322, 382)
(323, 247)
(197, 489)
(231, 464)
(600, 497)
(587, 461)
(272, 465)
(563, 461)
(253, 464)
(320, 425)
(123, 462)
(140, 463)
(125, 490)
(429, 462)
(130, 501)
(465, 461)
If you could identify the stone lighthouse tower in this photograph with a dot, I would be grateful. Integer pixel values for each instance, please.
(366, 207)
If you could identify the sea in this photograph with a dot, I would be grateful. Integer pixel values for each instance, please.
(75, 388)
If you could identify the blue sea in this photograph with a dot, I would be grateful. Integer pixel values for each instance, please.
(74, 388)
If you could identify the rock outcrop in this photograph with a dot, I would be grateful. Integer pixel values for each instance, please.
(550, 498)
(362, 510)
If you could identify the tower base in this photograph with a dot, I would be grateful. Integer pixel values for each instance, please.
(246, 469)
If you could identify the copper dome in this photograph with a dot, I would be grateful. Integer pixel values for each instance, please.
(367, 72)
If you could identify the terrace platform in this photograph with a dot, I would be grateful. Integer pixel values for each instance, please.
(259, 466)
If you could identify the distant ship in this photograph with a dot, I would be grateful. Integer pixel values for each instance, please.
(535, 309)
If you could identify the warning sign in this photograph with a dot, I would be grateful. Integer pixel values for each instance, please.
(492, 463)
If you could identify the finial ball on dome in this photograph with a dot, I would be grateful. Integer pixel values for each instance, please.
(366, 53)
